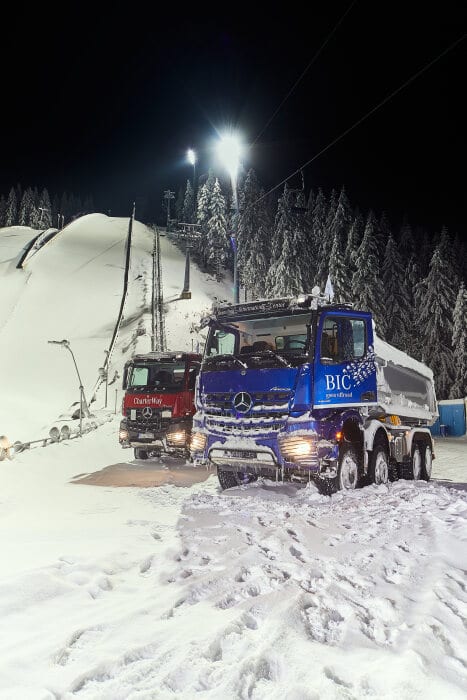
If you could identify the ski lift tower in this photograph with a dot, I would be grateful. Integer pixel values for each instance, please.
(168, 196)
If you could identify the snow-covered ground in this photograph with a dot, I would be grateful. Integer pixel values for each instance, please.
(265, 591)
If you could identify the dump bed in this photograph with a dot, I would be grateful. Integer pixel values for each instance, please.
(405, 386)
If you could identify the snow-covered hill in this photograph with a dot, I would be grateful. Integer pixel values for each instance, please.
(71, 288)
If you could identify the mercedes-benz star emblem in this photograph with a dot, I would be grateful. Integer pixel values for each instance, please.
(242, 402)
(147, 412)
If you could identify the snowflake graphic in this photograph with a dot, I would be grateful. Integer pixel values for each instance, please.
(359, 370)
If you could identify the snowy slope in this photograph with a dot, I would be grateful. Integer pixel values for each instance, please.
(71, 288)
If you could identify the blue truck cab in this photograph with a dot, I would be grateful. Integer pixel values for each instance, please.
(288, 390)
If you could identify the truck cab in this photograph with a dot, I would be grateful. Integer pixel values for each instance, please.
(289, 389)
(158, 404)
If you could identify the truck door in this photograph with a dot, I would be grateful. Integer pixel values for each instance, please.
(344, 371)
(192, 372)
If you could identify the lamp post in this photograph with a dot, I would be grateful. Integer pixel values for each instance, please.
(82, 399)
(229, 150)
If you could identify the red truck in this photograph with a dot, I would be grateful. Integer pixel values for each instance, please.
(159, 403)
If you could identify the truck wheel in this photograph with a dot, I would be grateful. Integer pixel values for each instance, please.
(427, 462)
(378, 471)
(416, 464)
(140, 454)
(228, 479)
(347, 473)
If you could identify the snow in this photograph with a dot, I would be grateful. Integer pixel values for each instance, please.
(265, 591)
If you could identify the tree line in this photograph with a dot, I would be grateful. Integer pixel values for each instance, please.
(36, 209)
(413, 283)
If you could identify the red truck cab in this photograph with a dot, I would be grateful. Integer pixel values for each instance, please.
(159, 403)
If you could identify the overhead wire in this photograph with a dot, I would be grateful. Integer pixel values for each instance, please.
(305, 70)
(362, 119)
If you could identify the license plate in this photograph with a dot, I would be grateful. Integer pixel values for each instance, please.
(240, 454)
(146, 436)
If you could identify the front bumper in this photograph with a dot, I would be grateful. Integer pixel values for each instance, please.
(172, 439)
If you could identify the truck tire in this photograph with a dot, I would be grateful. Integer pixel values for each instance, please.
(140, 454)
(347, 472)
(378, 468)
(228, 479)
(427, 461)
(415, 467)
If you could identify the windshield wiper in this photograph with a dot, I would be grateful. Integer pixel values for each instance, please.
(228, 356)
(271, 352)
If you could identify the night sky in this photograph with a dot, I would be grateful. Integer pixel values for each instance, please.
(106, 103)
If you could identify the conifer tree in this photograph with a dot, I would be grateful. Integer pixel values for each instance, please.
(258, 260)
(406, 241)
(436, 300)
(203, 215)
(396, 297)
(11, 209)
(318, 234)
(338, 272)
(248, 224)
(459, 344)
(326, 242)
(382, 236)
(188, 204)
(27, 203)
(286, 273)
(366, 282)
(45, 209)
(217, 230)
(2, 211)
(352, 245)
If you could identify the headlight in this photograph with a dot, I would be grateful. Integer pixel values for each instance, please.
(177, 438)
(198, 442)
(298, 448)
(123, 435)
(166, 414)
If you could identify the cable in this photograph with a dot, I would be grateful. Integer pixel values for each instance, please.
(362, 119)
(326, 41)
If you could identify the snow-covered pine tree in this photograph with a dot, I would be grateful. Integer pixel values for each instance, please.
(34, 213)
(258, 261)
(45, 209)
(27, 202)
(65, 208)
(188, 204)
(217, 231)
(396, 297)
(367, 287)
(326, 241)
(459, 344)
(203, 214)
(436, 299)
(247, 227)
(285, 276)
(338, 272)
(2, 211)
(318, 233)
(382, 236)
(406, 240)
(11, 214)
(353, 243)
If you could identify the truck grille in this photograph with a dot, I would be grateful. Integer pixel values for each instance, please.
(270, 404)
(154, 422)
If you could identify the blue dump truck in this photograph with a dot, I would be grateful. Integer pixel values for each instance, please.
(301, 389)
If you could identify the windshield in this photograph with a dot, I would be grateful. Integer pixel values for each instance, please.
(271, 340)
(158, 377)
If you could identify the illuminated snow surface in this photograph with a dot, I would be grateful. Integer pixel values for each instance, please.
(265, 591)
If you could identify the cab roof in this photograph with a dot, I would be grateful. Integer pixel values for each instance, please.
(168, 356)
